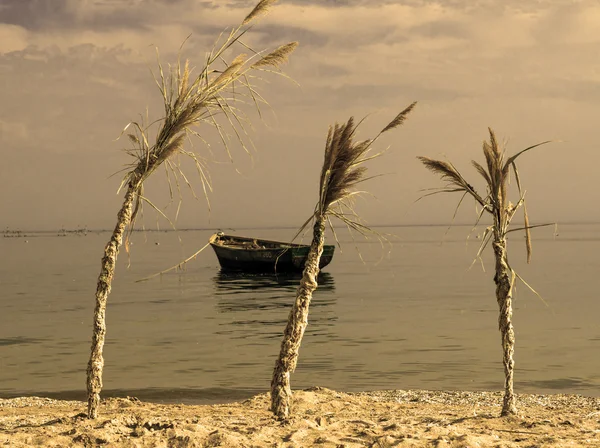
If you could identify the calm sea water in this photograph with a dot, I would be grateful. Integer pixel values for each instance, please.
(420, 318)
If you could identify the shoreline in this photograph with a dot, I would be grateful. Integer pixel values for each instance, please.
(155, 395)
(321, 417)
(220, 396)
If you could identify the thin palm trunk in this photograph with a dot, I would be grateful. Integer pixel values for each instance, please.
(109, 261)
(281, 393)
(504, 280)
(188, 103)
(502, 210)
(341, 172)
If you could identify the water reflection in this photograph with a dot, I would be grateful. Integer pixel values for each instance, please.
(230, 282)
(261, 302)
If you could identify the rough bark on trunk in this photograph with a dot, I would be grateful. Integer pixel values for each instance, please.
(281, 392)
(96, 362)
(504, 283)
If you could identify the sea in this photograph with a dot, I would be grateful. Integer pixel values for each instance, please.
(414, 310)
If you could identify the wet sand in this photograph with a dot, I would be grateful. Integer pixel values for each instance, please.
(321, 417)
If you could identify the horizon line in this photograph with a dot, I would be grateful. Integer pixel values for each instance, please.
(8, 230)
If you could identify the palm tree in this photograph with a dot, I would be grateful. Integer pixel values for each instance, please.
(187, 103)
(496, 203)
(342, 170)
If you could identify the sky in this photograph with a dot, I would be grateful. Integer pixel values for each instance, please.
(73, 73)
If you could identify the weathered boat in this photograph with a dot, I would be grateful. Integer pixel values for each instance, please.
(239, 253)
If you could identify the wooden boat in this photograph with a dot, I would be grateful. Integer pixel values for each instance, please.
(238, 253)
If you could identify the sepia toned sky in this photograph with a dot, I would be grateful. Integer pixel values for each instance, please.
(73, 73)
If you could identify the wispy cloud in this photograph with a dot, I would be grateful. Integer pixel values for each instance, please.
(74, 72)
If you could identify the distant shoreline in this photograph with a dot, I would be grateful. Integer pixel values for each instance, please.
(17, 233)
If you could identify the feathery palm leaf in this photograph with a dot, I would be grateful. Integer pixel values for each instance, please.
(343, 170)
(261, 8)
(343, 163)
(192, 102)
(496, 179)
(511, 159)
(400, 118)
(481, 170)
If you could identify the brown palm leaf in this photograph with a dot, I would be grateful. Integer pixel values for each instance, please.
(261, 8)
(483, 173)
(446, 170)
(450, 174)
(277, 57)
(525, 214)
(490, 158)
(343, 168)
(511, 159)
(399, 119)
(340, 171)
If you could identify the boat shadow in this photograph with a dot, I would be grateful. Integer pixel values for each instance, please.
(228, 282)
(262, 301)
(238, 291)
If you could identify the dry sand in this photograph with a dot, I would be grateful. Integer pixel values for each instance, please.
(322, 418)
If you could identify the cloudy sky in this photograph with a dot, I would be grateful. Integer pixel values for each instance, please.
(73, 73)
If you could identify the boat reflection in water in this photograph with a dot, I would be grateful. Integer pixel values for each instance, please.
(261, 302)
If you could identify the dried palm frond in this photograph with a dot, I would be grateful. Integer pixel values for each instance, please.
(261, 8)
(339, 172)
(446, 170)
(525, 215)
(343, 168)
(277, 57)
(496, 178)
(449, 173)
(178, 267)
(189, 103)
(400, 118)
(481, 170)
(342, 157)
(511, 159)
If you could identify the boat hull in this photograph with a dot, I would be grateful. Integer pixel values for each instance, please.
(256, 255)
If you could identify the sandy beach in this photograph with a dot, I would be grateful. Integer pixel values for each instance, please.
(322, 417)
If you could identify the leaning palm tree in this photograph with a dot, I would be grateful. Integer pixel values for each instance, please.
(342, 170)
(188, 102)
(496, 203)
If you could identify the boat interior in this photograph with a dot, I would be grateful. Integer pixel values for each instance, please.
(250, 243)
